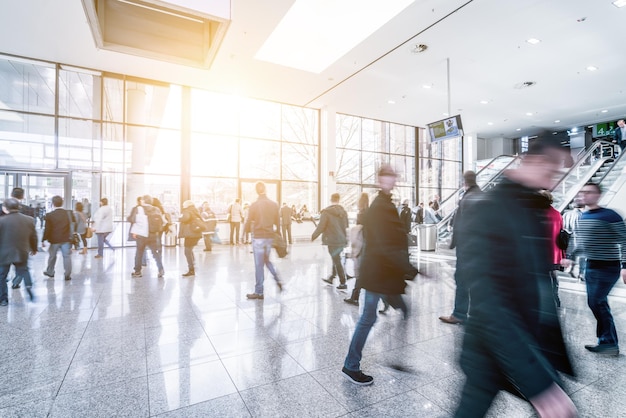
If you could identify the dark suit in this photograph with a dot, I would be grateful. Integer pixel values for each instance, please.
(617, 136)
(513, 338)
(57, 232)
(17, 238)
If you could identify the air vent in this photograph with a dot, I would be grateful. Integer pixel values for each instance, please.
(525, 84)
(418, 48)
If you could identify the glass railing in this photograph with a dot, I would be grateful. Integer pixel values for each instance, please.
(613, 179)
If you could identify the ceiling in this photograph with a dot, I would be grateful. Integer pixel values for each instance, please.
(481, 44)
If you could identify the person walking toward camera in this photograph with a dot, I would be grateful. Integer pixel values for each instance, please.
(332, 227)
(58, 232)
(191, 232)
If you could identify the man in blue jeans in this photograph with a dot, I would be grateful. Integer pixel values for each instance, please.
(262, 221)
(383, 272)
(58, 233)
(601, 238)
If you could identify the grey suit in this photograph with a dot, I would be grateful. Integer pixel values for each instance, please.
(17, 238)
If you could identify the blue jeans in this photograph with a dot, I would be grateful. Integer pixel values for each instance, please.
(21, 272)
(152, 243)
(66, 249)
(261, 247)
(599, 280)
(102, 239)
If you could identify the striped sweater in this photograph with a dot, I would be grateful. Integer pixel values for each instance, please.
(601, 235)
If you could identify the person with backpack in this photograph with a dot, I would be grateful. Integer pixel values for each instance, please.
(235, 215)
(147, 227)
(191, 228)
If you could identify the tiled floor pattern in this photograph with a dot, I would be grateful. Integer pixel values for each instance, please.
(106, 345)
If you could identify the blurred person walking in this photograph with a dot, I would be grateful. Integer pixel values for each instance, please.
(357, 246)
(285, 222)
(513, 339)
(263, 221)
(210, 220)
(191, 227)
(81, 226)
(601, 238)
(383, 272)
(103, 225)
(235, 216)
(58, 233)
(147, 226)
(555, 225)
(332, 227)
(18, 238)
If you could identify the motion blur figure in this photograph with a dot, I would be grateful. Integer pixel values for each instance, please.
(513, 339)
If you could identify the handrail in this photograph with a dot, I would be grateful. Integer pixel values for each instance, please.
(573, 191)
(581, 161)
(621, 154)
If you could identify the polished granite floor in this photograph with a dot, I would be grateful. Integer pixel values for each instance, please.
(106, 345)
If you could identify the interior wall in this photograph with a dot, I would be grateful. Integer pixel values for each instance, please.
(491, 148)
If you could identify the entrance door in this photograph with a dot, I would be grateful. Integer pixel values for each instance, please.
(248, 192)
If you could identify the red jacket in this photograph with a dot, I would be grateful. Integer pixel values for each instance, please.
(556, 224)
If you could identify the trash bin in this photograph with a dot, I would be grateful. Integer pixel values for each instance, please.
(427, 237)
(169, 238)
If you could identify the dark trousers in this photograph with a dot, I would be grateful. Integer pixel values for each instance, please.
(461, 298)
(600, 277)
(189, 244)
(21, 272)
(151, 242)
(208, 245)
(286, 229)
(234, 232)
(335, 255)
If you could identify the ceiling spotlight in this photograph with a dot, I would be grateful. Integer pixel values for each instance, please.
(489, 123)
(574, 129)
(529, 113)
(446, 114)
(426, 86)
(533, 41)
(592, 68)
(619, 3)
(518, 129)
(484, 101)
(391, 101)
(525, 84)
(604, 111)
(557, 121)
(418, 48)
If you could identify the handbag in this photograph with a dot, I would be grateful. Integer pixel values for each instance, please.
(89, 232)
(74, 237)
(562, 240)
(280, 245)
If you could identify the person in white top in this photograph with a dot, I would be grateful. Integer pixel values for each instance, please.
(236, 216)
(103, 225)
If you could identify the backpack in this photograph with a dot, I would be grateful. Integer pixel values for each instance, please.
(356, 240)
(155, 219)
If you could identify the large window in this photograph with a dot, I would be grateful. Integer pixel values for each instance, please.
(362, 145)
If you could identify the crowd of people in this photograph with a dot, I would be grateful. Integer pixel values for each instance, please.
(508, 241)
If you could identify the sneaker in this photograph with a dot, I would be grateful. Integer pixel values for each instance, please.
(358, 378)
(280, 285)
(342, 287)
(254, 296)
(45, 273)
(189, 273)
(351, 301)
(15, 286)
(68, 278)
(161, 274)
(98, 256)
(136, 274)
(4, 302)
(609, 349)
(329, 280)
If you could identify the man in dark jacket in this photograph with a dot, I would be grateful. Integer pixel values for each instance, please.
(58, 233)
(332, 226)
(17, 238)
(263, 222)
(406, 215)
(513, 339)
(462, 296)
(383, 272)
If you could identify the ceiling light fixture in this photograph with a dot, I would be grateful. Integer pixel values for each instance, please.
(592, 68)
(574, 129)
(619, 3)
(525, 84)
(445, 114)
(557, 121)
(533, 41)
(604, 111)
(484, 101)
(489, 123)
(418, 48)
(391, 101)
(518, 129)
(529, 113)
(426, 86)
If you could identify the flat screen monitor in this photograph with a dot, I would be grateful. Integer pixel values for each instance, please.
(445, 129)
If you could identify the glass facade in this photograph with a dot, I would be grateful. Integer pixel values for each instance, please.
(362, 145)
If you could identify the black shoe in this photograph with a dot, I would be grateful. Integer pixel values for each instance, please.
(342, 286)
(189, 273)
(383, 311)
(136, 274)
(358, 378)
(351, 301)
(68, 278)
(329, 280)
(4, 302)
(280, 285)
(254, 296)
(161, 274)
(348, 277)
(30, 293)
(609, 349)
(45, 273)
(15, 286)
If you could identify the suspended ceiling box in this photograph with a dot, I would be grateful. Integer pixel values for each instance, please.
(158, 29)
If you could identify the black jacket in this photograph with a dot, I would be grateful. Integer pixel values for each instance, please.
(57, 228)
(332, 226)
(385, 265)
(17, 238)
(513, 332)
(471, 195)
(405, 217)
(186, 221)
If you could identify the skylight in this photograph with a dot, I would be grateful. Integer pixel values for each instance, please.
(316, 33)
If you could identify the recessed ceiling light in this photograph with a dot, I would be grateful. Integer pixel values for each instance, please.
(619, 3)
(533, 41)
(418, 48)
(484, 101)
(391, 101)
(489, 123)
(557, 121)
(592, 68)
(529, 113)
(574, 129)
(518, 129)
(445, 114)
(426, 86)
(604, 111)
